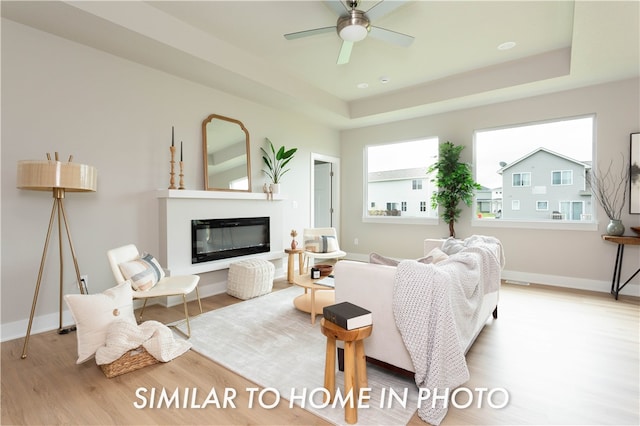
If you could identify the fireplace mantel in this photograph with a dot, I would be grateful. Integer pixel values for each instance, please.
(217, 195)
(178, 207)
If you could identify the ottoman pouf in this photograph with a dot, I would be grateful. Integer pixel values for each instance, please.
(250, 278)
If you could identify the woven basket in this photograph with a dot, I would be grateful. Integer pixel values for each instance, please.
(130, 361)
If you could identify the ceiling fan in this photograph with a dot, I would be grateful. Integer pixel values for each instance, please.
(354, 25)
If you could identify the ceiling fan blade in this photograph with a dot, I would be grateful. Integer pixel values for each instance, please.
(383, 8)
(345, 52)
(389, 36)
(307, 33)
(337, 6)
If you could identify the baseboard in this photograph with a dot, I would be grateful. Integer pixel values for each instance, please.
(48, 322)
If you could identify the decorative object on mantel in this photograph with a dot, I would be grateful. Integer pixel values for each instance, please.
(610, 190)
(275, 162)
(181, 169)
(294, 243)
(58, 177)
(267, 190)
(172, 173)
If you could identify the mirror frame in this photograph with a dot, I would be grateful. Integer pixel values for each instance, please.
(208, 120)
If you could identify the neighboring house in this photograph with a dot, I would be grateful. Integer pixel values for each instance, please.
(404, 192)
(546, 185)
(484, 201)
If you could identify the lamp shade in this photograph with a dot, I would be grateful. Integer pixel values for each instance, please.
(49, 175)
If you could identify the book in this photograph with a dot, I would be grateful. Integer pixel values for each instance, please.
(347, 315)
(327, 281)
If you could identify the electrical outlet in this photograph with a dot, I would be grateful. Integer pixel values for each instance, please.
(355, 241)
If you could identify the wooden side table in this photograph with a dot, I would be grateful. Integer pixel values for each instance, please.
(292, 253)
(621, 241)
(355, 364)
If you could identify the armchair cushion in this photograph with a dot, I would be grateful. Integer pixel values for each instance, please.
(94, 313)
(143, 272)
(321, 244)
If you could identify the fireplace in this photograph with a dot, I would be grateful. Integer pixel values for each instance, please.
(215, 239)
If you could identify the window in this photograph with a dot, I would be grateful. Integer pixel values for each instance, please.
(521, 179)
(532, 169)
(542, 205)
(562, 177)
(397, 181)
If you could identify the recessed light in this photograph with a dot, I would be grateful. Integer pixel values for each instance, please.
(507, 45)
(384, 80)
(363, 85)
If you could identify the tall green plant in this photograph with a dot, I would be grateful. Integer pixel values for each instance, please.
(276, 161)
(454, 182)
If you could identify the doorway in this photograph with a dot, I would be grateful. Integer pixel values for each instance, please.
(325, 184)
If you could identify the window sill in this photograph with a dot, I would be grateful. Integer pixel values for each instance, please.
(401, 220)
(565, 225)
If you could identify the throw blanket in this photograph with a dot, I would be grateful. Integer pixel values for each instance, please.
(436, 307)
(154, 336)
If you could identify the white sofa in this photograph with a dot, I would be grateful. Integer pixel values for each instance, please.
(372, 286)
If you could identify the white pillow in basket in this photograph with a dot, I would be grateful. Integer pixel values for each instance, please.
(93, 313)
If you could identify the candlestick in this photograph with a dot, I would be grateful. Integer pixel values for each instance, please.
(171, 135)
(180, 150)
(181, 177)
(172, 181)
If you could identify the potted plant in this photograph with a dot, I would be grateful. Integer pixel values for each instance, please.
(609, 188)
(454, 183)
(275, 162)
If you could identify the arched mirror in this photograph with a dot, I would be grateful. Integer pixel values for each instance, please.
(227, 165)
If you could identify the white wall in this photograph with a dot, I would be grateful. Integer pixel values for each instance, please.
(558, 257)
(117, 116)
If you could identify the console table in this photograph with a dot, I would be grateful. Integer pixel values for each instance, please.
(621, 241)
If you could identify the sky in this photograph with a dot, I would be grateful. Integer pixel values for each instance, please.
(571, 137)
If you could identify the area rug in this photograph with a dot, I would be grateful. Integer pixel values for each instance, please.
(269, 342)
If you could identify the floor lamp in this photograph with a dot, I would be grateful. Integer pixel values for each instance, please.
(59, 178)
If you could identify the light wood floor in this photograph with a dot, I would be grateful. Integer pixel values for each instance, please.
(564, 357)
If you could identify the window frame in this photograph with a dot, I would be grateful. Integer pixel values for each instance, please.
(562, 172)
(404, 220)
(587, 225)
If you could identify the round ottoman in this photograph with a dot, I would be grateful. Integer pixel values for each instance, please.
(250, 278)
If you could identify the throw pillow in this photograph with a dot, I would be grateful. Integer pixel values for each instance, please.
(452, 246)
(321, 244)
(94, 313)
(143, 272)
(436, 255)
(383, 260)
(379, 259)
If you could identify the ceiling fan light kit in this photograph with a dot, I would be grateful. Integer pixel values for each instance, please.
(353, 27)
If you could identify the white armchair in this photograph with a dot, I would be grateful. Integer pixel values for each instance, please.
(320, 243)
(165, 286)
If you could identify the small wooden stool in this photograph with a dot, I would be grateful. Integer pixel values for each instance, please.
(290, 262)
(355, 364)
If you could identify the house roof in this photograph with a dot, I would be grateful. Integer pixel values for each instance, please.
(401, 174)
(585, 164)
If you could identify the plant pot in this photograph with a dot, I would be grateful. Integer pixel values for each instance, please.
(275, 188)
(615, 227)
(294, 244)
